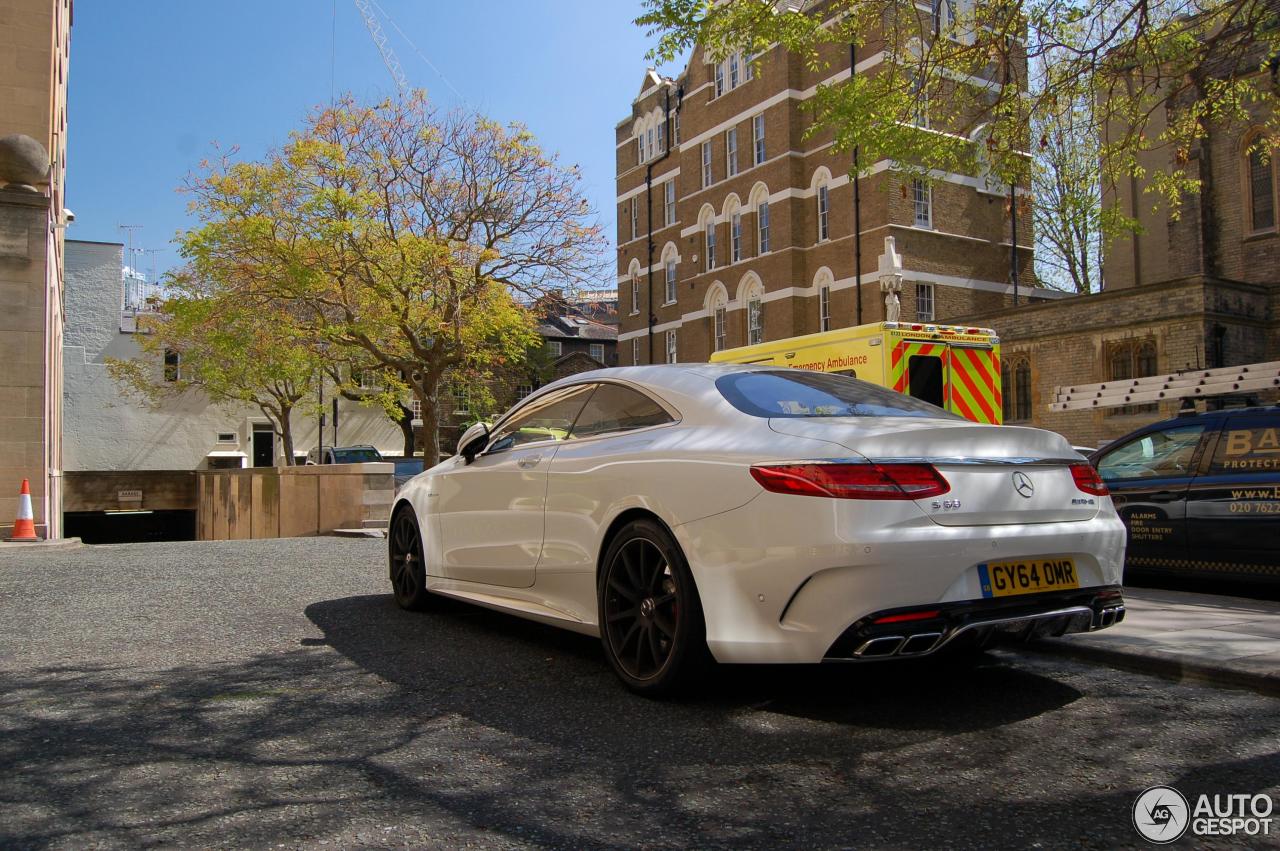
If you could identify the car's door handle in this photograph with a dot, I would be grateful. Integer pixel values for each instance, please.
(528, 461)
(1165, 496)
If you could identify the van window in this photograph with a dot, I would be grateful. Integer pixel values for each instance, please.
(1248, 445)
(1160, 454)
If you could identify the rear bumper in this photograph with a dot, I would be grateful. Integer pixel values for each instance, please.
(977, 622)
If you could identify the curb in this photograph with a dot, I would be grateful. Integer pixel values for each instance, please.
(1165, 665)
(54, 546)
(359, 533)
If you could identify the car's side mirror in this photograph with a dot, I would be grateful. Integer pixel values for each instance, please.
(473, 441)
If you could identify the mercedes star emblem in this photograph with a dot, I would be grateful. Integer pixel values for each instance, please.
(1022, 484)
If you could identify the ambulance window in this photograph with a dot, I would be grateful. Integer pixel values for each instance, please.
(924, 378)
(1248, 445)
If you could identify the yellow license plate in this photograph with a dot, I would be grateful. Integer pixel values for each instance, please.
(1027, 576)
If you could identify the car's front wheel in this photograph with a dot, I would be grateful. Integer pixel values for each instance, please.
(651, 619)
(408, 570)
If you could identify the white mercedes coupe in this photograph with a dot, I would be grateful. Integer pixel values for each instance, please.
(691, 512)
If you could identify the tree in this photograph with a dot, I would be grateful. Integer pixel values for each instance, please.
(967, 64)
(401, 237)
(234, 353)
(1066, 185)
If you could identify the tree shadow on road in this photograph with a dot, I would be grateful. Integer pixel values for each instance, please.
(463, 726)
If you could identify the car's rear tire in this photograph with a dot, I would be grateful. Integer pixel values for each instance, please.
(651, 622)
(407, 567)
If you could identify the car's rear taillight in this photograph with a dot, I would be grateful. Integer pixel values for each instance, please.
(853, 481)
(1088, 480)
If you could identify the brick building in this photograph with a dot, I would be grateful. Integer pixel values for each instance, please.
(1196, 292)
(736, 227)
(35, 38)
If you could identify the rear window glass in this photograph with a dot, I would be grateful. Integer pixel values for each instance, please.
(355, 456)
(800, 393)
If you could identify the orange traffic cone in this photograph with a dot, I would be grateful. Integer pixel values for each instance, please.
(24, 528)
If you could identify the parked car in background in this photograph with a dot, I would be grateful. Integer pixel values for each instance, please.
(753, 514)
(406, 468)
(344, 455)
(1200, 494)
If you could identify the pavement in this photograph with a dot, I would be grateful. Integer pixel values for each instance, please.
(1226, 641)
(269, 693)
(60, 544)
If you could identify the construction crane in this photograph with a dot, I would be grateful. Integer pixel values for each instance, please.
(389, 57)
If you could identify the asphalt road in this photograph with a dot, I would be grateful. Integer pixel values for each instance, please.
(269, 693)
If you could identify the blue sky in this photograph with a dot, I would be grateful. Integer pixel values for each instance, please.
(154, 82)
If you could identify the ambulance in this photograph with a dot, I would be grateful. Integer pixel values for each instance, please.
(949, 366)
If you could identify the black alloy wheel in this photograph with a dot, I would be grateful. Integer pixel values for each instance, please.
(651, 618)
(408, 570)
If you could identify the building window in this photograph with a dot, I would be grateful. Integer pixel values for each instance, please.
(755, 320)
(635, 295)
(675, 134)
(461, 402)
(415, 408)
(747, 72)
(711, 245)
(1262, 189)
(731, 150)
(762, 222)
(523, 390)
(1015, 388)
(720, 331)
(669, 203)
(719, 79)
(824, 206)
(635, 351)
(671, 282)
(924, 302)
(649, 142)
(639, 147)
(706, 164)
(922, 202)
(555, 347)
(662, 134)
(227, 437)
(635, 217)
(757, 133)
(596, 350)
(1129, 360)
(736, 232)
(671, 347)
(824, 308)
(733, 71)
(172, 365)
(944, 16)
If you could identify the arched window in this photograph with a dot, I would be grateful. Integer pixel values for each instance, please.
(670, 262)
(717, 305)
(759, 201)
(822, 283)
(733, 215)
(633, 273)
(1260, 184)
(1015, 388)
(751, 295)
(822, 194)
(707, 223)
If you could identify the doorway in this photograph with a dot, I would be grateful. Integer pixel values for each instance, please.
(264, 445)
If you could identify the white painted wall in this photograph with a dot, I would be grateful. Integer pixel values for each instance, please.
(104, 429)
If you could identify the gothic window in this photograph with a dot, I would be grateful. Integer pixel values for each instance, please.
(1128, 360)
(1015, 388)
(1260, 182)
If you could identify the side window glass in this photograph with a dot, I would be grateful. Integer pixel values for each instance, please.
(1161, 454)
(1247, 446)
(617, 408)
(548, 418)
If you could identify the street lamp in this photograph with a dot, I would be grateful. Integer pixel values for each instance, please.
(890, 272)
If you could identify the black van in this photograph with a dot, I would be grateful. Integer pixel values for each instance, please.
(1200, 494)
